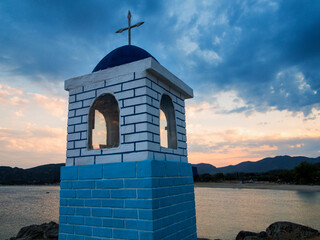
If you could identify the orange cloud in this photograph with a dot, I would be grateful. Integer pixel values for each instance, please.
(54, 105)
(12, 96)
(33, 139)
(221, 136)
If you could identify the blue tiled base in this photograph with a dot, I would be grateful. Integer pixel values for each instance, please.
(130, 200)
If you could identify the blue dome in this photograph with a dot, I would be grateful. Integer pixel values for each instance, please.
(122, 55)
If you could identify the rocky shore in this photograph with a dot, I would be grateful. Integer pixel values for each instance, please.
(276, 231)
(45, 231)
(281, 231)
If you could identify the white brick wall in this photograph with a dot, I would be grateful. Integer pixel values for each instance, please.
(76, 90)
(159, 156)
(137, 156)
(73, 153)
(72, 99)
(125, 94)
(74, 120)
(127, 111)
(73, 136)
(127, 129)
(109, 89)
(75, 105)
(84, 135)
(136, 137)
(71, 113)
(147, 109)
(70, 129)
(81, 127)
(172, 157)
(142, 127)
(139, 103)
(86, 152)
(121, 149)
(80, 144)
(70, 145)
(69, 161)
(144, 117)
(142, 146)
(94, 86)
(108, 158)
(134, 101)
(84, 119)
(84, 161)
(82, 111)
(137, 83)
(86, 95)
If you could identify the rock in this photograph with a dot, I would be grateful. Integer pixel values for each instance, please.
(288, 230)
(281, 231)
(246, 235)
(262, 235)
(251, 238)
(45, 231)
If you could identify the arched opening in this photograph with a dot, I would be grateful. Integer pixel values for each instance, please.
(163, 130)
(104, 123)
(167, 123)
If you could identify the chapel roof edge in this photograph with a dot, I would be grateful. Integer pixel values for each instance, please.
(150, 65)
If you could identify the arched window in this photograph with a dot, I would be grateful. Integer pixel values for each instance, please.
(167, 124)
(104, 123)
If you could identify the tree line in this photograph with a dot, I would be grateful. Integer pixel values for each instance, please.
(304, 173)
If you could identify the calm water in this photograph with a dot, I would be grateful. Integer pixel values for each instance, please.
(221, 213)
(21, 206)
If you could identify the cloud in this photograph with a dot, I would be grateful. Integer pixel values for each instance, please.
(254, 65)
(220, 134)
(231, 153)
(54, 105)
(32, 146)
(12, 96)
(27, 159)
(33, 139)
(239, 45)
(32, 127)
(255, 42)
(20, 101)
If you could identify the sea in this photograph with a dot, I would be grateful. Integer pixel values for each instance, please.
(221, 212)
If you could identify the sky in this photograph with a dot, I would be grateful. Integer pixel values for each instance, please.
(254, 67)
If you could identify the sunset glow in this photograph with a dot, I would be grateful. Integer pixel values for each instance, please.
(256, 88)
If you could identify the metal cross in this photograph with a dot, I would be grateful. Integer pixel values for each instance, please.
(129, 27)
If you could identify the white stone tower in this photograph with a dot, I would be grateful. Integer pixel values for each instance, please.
(127, 175)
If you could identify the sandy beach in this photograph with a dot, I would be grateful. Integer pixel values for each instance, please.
(273, 186)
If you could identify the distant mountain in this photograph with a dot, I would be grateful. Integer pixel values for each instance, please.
(205, 168)
(50, 173)
(45, 174)
(264, 165)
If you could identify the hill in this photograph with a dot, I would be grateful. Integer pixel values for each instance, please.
(50, 173)
(45, 174)
(205, 168)
(264, 165)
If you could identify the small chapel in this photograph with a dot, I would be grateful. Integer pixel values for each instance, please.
(127, 174)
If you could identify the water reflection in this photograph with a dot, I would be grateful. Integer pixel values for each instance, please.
(222, 213)
(309, 197)
(21, 206)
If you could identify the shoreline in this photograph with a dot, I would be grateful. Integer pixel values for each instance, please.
(270, 186)
(235, 185)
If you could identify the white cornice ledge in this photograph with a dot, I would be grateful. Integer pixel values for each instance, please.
(149, 64)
